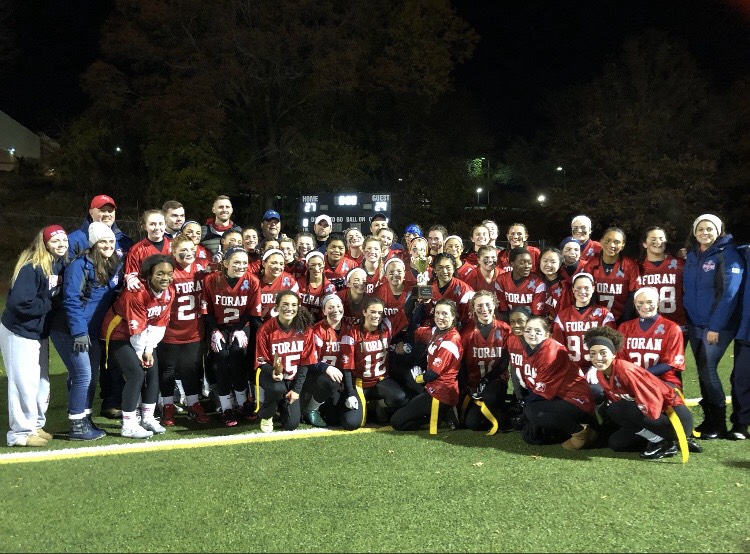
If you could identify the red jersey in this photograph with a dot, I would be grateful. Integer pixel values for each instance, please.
(410, 276)
(185, 322)
(613, 289)
(590, 250)
(549, 372)
(329, 347)
(293, 347)
(571, 325)
(477, 281)
(310, 296)
(444, 353)
(530, 292)
(471, 258)
(393, 303)
(297, 269)
(142, 250)
(482, 355)
(569, 271)
(202, 256)
(661, 343)
(559, 295)
(373, 281)
(352, 311)
(628, 381)
(666, 277)
(465, 270)
(230, 305)
(268, 292)
(371, 350)
(459, 292)
(138, 310)
(343, 267)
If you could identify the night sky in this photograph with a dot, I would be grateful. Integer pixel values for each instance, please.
(527, 51)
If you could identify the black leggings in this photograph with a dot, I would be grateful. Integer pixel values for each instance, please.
(493, 397)
(179, 361)
(387, 389)
(415, 414)
(631, 419)
(273, 399)
(230, 366)
(552, 421)
(139, 382)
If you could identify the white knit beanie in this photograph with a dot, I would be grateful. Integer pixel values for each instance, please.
(708, 217)
(99, 231)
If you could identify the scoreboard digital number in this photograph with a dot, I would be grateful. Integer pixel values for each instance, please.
(346, 209)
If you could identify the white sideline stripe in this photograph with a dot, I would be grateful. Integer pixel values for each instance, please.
(695, 401)
(173, 444)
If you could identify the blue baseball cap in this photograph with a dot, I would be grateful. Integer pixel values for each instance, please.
(271, 214)
(414, 229)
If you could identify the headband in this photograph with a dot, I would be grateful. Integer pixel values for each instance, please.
(454, 237)
(327, 298)
(272, 251)
(650, 291)
(583, 274)
(352, 272)
(601, 341)
(314, 253)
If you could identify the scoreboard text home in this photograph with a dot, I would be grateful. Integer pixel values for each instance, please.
(346, 209)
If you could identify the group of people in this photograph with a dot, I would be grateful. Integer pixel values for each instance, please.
(577, 345)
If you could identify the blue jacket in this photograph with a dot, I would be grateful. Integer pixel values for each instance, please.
(743, 333)
(711, 284)
(27, 310)
(86, 302)
(78, 240)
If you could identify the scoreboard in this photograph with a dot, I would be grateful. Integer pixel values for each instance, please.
(346, 209)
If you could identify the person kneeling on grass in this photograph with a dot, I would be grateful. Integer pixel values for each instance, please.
(636, 400)
(284, 349)
(444, 352)
(132, 328)
(558, 404)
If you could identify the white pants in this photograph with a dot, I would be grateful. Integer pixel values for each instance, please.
(27, 366)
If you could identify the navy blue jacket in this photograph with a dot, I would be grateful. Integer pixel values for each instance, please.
(78, 240)
(743, 333)
(711, 284)
(29, 305)
(85, 301)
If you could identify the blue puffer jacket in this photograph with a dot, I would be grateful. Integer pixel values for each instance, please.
(85, 301)
(78, 240)
(711, 285)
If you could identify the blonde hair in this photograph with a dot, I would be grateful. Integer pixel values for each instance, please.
(37, 255)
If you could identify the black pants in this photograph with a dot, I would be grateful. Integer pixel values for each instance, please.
(740, 380)
(631, 419)
(415, 414)
(387, 389)
(111, 381)
(493, 397)
(274, 393)
(179, 361)
(552, 421)
(230, 367)
(139, 381)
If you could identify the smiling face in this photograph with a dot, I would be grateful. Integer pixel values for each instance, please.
(155, 227)
(583, 290)
(646, 305)
(395, 274)
(193, 230)
(571, 253)
(222, 210)
(517, 322)
(517, 236)
(105, 214)
(231, 240)
(385, 238)
(372, 251)
(236, 265)
(534, 333)
(580, 230)
(354, 239)
(304, 246)
(161, 276)
(334, 311)
(106, 247)
(521, 266)
(373, 315)
(492, 228)
(57, 245)
(184, 252)
(358, 283)
(444, 318)
(612, 244)
(706, 234)
(287, 247)
(549, 264)
(480, 236)
(655, 244)
(287, 305)
(601, 357)
(484, 307)
(273, 267)
(335, 251)
(315, 267)
(444, 271)
(452, 247)
(250, 239)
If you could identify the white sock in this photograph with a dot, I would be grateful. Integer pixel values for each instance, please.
(241, 396)
(226, 402)
(76, 416)
(87, 411)
(129, 419)
(148, 411)
(191, 399)
(167, 399)
(649, 436)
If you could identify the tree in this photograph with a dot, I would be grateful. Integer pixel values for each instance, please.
(641, 145)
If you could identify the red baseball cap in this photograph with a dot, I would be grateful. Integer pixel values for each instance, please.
(102, 200)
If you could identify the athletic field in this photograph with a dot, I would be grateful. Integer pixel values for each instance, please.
(373, 490)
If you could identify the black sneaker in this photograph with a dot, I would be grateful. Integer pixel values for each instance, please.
(693, 446)
(659, 450)
(738, 432)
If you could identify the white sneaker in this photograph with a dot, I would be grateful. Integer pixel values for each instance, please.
(266, 425)
(135, 432)
(152, 425)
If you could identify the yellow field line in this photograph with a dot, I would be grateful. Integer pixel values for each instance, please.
(174, 444)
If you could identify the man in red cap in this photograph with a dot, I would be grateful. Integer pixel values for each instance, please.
(102, 208)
